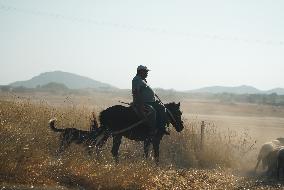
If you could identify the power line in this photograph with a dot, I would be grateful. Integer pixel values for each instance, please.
(139, 29)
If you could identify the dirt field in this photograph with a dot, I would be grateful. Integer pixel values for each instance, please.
(262, 129)
(262, 122)
(233, 135)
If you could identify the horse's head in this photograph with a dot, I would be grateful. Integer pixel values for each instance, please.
(174, 113)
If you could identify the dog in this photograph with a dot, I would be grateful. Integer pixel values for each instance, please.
(77, 136)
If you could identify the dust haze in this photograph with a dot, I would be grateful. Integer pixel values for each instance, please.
(234, 132)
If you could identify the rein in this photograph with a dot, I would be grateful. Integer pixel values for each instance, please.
(171, 115)
(168, 111)
(100, 137)
(131, 126)
(145, 119)
(128, 128)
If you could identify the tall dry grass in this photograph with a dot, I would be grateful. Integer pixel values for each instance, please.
(28, 154)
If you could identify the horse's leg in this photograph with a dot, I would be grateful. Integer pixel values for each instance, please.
(156, 147)
(146, 148)
(255, 168)
(278, 172)
(115, 147)
(98, 149)
(99, 141)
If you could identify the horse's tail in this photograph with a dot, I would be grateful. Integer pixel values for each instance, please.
(52, 125)
(103, 131)
(102, 135)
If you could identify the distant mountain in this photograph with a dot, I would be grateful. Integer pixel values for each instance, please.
(53, 86)
(70, 80)
(279, 91)
(243, 89)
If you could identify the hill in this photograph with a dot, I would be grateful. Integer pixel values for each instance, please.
(70, 80)
(279, 91)
(74, 81)
(243, 89)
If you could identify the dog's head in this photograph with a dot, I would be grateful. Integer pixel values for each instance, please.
(52, 121)
(281, 140)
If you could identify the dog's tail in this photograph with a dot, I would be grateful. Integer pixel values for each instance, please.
(52, 125)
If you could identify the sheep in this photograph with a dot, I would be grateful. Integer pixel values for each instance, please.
(280, 162)
(265, 150)
(275, 161)
(271, 162)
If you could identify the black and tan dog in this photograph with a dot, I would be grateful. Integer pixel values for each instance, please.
(77, 136)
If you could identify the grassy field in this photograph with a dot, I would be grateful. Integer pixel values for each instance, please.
(233, 135)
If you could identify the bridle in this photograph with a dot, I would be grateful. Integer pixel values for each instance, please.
(167, 110)
(171, 116)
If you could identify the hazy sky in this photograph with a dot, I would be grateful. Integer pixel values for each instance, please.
(186, 44)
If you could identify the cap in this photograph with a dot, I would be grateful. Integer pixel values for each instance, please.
(141, 67)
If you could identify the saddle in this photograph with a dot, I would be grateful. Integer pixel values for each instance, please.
(137, 111)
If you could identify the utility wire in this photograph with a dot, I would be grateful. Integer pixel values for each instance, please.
(137, 28)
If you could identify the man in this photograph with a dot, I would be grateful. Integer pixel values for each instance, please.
(144, 99)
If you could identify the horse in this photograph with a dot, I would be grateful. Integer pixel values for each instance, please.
(120, 121)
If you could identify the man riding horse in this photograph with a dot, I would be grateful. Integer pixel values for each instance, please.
(144, 121)
(144, 101)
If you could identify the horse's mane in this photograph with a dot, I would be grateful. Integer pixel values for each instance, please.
(170, 104)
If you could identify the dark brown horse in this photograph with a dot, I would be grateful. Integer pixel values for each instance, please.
(115, 122)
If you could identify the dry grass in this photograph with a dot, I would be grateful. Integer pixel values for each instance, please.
(28, 156)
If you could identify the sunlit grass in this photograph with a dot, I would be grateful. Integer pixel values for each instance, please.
(28, 154)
